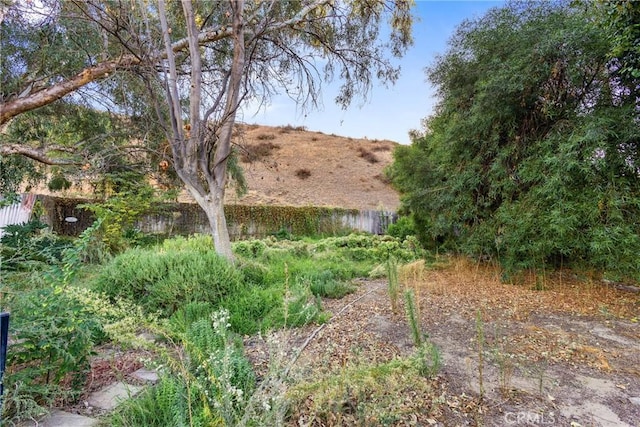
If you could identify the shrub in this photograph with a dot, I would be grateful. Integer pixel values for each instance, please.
(265, 136)
(303, 173)
(28, 246)
(325, 284)
(367, 155)
(250, 248)
(402, 228)
(164, 279)
(119, 212)
(290, 128)
(259, 151)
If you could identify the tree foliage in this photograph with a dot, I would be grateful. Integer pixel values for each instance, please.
(621, 21)
(533, 154)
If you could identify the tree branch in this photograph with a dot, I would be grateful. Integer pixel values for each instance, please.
(34, 100)
(39, 155)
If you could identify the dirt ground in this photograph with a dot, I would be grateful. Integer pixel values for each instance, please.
(554, 351)
(566, 354)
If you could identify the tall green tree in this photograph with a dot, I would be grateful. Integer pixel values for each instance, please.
(194, 63)
(533, 154)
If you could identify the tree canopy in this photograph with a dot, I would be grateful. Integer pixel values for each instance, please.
(533, 155)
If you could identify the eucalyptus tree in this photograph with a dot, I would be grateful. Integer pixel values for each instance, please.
(45, 47)
(533, 154)
(194, 63)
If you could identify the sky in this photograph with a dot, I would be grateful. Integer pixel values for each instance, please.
(388, 113)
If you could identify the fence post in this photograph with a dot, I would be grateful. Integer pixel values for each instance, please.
(4, 337)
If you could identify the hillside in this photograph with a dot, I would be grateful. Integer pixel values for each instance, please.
(294, 167)
(289, 166)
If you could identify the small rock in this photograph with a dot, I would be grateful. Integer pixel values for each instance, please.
(635, 400)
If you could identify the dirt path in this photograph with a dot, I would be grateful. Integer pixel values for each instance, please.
(568, 355)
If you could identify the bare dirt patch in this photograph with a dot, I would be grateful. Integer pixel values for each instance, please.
(565, 354)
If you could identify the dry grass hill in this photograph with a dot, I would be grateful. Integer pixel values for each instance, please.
(291, 166)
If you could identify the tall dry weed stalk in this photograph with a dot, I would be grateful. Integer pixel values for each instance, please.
(393, 283)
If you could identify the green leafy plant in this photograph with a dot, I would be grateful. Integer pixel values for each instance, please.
(125, 202)
(28, 246)
(54, 337)
(402, 228)
(206, 379)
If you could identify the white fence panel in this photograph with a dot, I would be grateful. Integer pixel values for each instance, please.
(18, 213)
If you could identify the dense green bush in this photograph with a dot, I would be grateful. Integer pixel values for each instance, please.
(532, 157)
(402, 228)
(326, 284)
(165, 278)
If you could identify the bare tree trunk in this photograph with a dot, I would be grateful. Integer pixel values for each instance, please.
(219, 229)
(213, 206)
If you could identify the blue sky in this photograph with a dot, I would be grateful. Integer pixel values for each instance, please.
(389, 113)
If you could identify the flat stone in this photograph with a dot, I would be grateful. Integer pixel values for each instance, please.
(635, 400)
(59, 418)
(146, 375)
(111, 396)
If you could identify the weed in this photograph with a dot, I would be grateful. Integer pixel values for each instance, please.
(428, 359)
(413, 317)
(206, 380)
(325, 284)
(480, 343)
(393, 392)
(506, 368)
(393, 283)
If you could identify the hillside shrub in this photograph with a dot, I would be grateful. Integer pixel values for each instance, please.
(303, 173)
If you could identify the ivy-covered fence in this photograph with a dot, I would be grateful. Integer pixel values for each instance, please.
(243, 221)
